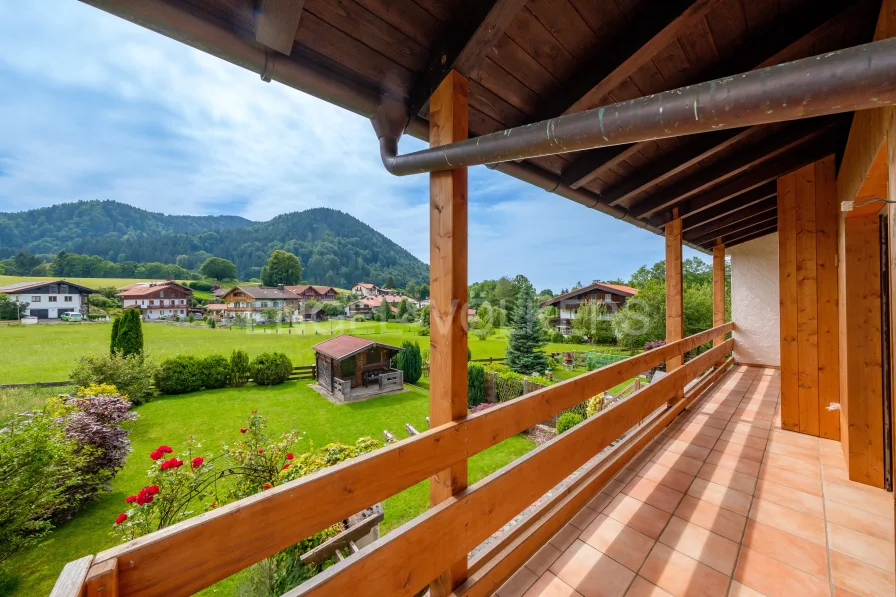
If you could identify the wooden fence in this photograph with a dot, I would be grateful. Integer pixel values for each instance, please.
(196, 553)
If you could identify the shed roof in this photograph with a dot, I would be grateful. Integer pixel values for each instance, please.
(344, 346)
(619, 289)
(527, 61)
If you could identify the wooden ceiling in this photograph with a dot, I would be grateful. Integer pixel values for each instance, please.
(537, 59)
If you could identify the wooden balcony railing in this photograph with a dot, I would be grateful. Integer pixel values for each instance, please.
(196, 553)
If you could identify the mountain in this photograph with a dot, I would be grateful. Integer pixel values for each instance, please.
(335, 248)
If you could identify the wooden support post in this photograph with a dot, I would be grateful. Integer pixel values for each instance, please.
(718, 288)
(674, 301)
(448, 295)
(102, 579)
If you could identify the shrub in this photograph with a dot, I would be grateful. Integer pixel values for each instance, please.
(130, 333)
(113, 341)
(98, 389)
(201, 286)
(556, 337)
(567, 421)
(132, 375)
(179, 375)
(475, 384)
(190, 318)
(603, 332)
(410, 361)
(595, 405)
(575, 339)
(652, 344)
(215, 372)
(271, 368)
(359, 318)
(240, 370)
(211, 322)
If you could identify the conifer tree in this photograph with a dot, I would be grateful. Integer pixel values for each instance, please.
(130, 333)
(113, 344)
(527, 338)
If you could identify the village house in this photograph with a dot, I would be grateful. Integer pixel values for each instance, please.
(351, 368)
(365, 289)
(611, 296)
(252, 301)
(310, 314)
(307, 292)
(49, 299)
(368, 306)
(157, 300)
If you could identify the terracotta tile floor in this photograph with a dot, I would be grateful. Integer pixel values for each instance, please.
(724, 503)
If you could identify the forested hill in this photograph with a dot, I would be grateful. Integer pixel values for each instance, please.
(334, 247)
(49, 229)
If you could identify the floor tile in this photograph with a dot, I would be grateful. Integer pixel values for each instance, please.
(741, 465)
(790, 498)
(711, 517)
(543, 558)
(694, 438)
(748, 429)
(721, 496)
(678, 462)
(669, 477)
(687, 449)
(583, 518)
(789, 521)
(728, 478)
(860, 578)
(622, 543)
(857, 520)
(642, 517)
(517, 584)
(702, 429)
(565, 537)
(743, 439)
(794, 465)
(739, 590)
(794, 439)
(694, 541)
(682, 576)
(600, 501)
(739, 450)
(644, 588)
(592, 573)
(776, 579)
(659, 496)
(800, 453)
(880, 505)
(870, 550)
(787, 478)
(551, 586)
(790, 549)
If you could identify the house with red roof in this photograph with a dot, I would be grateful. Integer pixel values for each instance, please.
(157, 300)
(611, 296)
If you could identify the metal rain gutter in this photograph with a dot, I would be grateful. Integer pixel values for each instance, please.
(855, 78)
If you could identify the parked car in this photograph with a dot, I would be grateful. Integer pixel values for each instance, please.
(71, 316)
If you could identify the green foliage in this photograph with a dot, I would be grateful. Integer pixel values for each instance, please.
(10, 309)
(240, 370)
(218, 268)
(129, 339)
(424, 317)
(644, 316)
(410, 361)
(567, 421)
(556, 337)
(68, 264)
(180, 375)
(270, 314)
(113, 341)
(271, 368)
(491, 316)
(131, 374)
(359, 318)
(281, 268)
(384, 311)
(591, 321)
(211, 321)
(403, 308)
(333, 309)
(595, 405)
(475, 384)
(603, 332)
(524, 354)
(201, 286)
(215, 372)
(483, 332)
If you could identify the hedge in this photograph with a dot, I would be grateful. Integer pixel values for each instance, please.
(567, 421)
(180, 375)
(271, 368)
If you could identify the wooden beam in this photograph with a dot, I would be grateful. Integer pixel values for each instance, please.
(479, 26)
(739, 214)
(448, 123)
(787, 291)
(674, 296)
(738, 229)
(718, 288)
(71, 581)
(277, 23)
(734, 222)
(102, 579)
(792, 136)
(756, 231)
(749, 237)
(655, 28)
(740, 202)
(595, 163)
(807, 300)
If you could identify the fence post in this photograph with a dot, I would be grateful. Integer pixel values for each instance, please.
(525, 385)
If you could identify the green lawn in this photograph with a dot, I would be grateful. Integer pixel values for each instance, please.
(214, 417)
(49, 352)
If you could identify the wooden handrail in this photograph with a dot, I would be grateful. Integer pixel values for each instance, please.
(194, 554)
(408, 558)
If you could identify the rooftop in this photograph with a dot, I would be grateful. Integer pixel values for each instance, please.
(619, 289)
(344, 346)
(23, 286)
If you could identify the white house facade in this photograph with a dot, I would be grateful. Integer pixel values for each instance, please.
(49, 299)
(157, 300)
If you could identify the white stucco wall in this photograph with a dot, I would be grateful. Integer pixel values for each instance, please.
(754, 301)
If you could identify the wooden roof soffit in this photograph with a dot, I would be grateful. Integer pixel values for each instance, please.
(744, 207)
(766, 218)
(277, 23)
(763, 49)
(479, 26)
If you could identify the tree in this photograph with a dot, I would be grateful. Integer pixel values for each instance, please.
(390, 282)
(270, 315)
(25, 263)
(527, 337)
(423, 292)
(113, 341)
(282, 268)
(410, 361)
(411, 289)
(587, 317)
(10, 309)
(218, 268)
(424, 317)
(384, 311)
(130, 334)
(403, 308)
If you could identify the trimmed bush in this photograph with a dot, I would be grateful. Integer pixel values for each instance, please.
(240, 369)
(556, 337)
(201, 286)
(271, 368)
(575, 339)
(359, 318)
(410, 361)
(211, 322)
(132, 375)
(180, 375)
(567, 421)
(215, 372)
(130, 333)
(475, 384)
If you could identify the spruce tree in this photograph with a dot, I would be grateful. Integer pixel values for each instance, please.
(130, 333)
(384, 311)
(113, 344)
(527, 338)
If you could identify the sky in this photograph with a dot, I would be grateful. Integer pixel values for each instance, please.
(95, 107)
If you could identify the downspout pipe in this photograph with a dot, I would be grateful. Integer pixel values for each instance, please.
(856, 78)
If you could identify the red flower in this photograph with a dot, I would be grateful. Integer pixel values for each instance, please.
(130, 499)
(260, 451)
(285, 466)
(197, 462)
(153, 489)
(243, 430)
(121, 518)
(155, 454)
(165, 449)
(266, 486)
(171, 463)
(289, 456)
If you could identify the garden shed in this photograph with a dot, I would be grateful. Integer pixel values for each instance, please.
(352, 368)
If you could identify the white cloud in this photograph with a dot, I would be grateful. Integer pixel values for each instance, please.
(164, 127)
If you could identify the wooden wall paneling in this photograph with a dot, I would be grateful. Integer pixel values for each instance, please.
(807, 299)
(787, 288)
(674, 301)
(826, 214)
(891, 216)
(448, 295)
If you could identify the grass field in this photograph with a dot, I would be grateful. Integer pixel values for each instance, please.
(214, 417)
(49, 352)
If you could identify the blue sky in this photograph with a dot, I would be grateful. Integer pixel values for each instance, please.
(94, 107)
